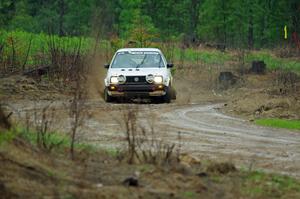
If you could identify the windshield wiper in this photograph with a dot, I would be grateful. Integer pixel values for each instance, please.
(142, 62)
(160, 59)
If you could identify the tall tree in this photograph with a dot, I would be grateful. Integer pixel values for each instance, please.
(128, 11)
(7, 11)
(194, 12)
(234, 23)
(62, 10)
(215, 20)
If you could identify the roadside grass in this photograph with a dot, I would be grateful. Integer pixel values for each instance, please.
(273, 62)
(37, 46)
(258, 184)
(189, 194)
(204, 56)
(59, 141)
(20, 40)
(279, 123)
(217, 57)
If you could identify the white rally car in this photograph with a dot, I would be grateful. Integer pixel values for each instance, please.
(139, 73)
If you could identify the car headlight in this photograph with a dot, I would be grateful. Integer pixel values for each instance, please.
(150, 78)
(114, 80)
(158, 79)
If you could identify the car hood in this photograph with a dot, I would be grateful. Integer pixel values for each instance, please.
(136, 71)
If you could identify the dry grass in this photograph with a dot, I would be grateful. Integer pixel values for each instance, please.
(143, 143)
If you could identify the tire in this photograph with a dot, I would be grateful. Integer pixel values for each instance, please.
(173, 93)
(167, 97)
(107, 98)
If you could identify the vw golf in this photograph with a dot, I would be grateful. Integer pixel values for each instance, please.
(139, 73)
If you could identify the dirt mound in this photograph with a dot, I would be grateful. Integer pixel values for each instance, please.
(22, 87)
(23, 168)
(261, 98)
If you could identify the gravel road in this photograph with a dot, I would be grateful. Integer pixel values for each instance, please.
(222, 137)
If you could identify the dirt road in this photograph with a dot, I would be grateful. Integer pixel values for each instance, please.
(205, 132)
(213, 134)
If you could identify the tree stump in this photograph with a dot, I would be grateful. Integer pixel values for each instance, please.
(258, 67)
(4, 122)
(131, 181)
(226, 79)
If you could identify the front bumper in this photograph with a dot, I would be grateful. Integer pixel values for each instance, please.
(144, 90)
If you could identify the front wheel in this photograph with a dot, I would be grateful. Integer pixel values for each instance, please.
(107, 97)
(173, 93)
(167, 97)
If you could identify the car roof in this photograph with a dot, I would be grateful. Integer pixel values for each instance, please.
(139, 49)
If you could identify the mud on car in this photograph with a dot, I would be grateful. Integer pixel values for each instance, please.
(139, 73)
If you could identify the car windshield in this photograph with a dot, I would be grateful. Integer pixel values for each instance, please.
(138, 60)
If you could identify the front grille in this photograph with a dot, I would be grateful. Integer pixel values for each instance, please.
(136, 88)
(136, 80)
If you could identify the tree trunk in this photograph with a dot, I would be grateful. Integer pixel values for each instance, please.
(250, 30)
(194, 18)
(295, 7)
(61, 17)
(224, 24)
(262, 32)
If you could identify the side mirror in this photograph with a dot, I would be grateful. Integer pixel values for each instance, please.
(170, 65)
(106, 65)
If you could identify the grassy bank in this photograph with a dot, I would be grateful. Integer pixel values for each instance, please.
(279, 123)
(47, 141)
(274, 62)
(258, 184)
(20, 45)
